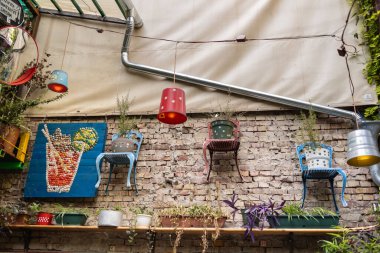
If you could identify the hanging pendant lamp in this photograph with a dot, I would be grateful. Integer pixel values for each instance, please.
(172, 107)
(362, 149)
(59, 81)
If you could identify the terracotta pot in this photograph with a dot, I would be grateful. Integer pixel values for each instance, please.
(11, 135)
(22, 219)
(184, 221)
(122, 144)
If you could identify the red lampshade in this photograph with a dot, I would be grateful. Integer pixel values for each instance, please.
(172, 107)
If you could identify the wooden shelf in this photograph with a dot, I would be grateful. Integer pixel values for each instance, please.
(265, 231)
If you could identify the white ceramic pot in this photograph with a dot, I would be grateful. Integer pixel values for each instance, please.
(143, 220)
(110, 218)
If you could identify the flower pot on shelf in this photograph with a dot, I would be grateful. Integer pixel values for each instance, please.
(44, 218)
(22, 219)
(70, 219)
(310, 221)
(143, 220)
(110, 218)
(186, 221)
(222, 129)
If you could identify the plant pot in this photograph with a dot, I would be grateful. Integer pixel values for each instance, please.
(143, 220)
(110, 218)
(70, 219)
(22, 219)
(312, 221)
(44, 218)
(10, 134)
(122, 144)
(185, 221)
(317, 158)
(222, 129)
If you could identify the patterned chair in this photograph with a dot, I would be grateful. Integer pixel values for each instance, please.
(122, 158)
(221, 145)
(316, 163)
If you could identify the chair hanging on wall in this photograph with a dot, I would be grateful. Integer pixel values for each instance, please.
(221, 145)
(122, 158)
(316, 163)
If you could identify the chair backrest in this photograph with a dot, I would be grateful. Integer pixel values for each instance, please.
(314, 155)
(137, 139)
(235, 131)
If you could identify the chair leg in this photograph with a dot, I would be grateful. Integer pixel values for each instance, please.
(304, 191)
(333, 194)
(109, 178)
(237, 166)
(209, 170)
(134, 177)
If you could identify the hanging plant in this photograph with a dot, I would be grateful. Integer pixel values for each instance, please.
(369, 15)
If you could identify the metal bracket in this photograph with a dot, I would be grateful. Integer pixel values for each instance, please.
(27, 236)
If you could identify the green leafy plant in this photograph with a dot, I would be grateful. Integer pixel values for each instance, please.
(141, 210)
(308, 131)
(367, 13)
(126, 122)
(15, 100)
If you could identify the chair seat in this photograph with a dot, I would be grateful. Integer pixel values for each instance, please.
(223, 145)
(320, 173)
(117, 158)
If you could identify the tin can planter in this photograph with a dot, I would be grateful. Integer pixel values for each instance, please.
(110, 218)
(222, 129)
(312, 221)
(44, 218)
(70, 219)
(122, 144)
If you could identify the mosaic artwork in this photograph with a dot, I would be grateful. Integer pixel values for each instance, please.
(68, 167)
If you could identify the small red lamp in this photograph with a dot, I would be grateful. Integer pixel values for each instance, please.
(59, 81)
(172, 108)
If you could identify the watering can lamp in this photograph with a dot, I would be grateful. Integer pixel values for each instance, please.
(362, 149)
(59, 81)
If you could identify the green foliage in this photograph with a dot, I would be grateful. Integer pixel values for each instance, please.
(352, 242)
(196, 211)
(308, 131)
(141, 210)
(294, 209)
(15, 100)
(366, 11)
(61, 210)
(126, 123)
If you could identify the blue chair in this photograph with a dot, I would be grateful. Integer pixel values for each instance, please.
(122, 158)
(316, 163)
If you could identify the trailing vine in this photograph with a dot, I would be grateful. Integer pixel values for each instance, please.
(366, 11)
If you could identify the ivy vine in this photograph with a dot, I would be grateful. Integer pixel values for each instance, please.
(366, 11)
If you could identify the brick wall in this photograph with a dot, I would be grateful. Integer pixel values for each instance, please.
(170, 171)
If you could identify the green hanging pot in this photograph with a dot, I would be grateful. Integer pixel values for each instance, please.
(222, 129)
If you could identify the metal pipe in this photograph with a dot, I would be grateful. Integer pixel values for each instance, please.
(121, 8)
(227, 87)
(99, 8)
(56, 5)
(132, 12)
(77, 6)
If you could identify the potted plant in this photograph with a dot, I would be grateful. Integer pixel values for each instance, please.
(6, 218)
(70, 216)
(255, 215)
(15, 100)
(119, 141)
(193, 216)
(295, 217)
(111, 217)
(42, 217)
(143, 216)
(223, 122)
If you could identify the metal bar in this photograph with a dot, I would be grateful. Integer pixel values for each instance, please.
(84, 16)
(77, 6)
(56, 5)
(228, 87)
(35, 3)
(99, 8)
(121, 8)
